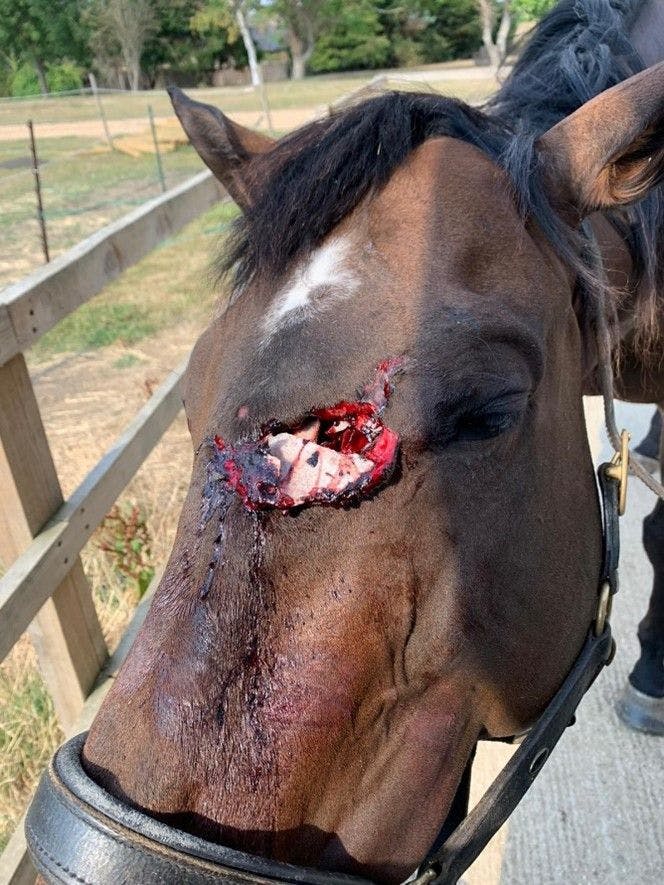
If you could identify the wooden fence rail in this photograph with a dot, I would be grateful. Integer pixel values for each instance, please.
(34, 576)
(44, 588)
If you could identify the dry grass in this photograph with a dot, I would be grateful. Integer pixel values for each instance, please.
(312, 92)
(28, 732)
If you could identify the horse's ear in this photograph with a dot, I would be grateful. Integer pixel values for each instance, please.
(225, 147)
(610, 152)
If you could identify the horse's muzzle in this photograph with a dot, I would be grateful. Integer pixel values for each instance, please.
(78, 832)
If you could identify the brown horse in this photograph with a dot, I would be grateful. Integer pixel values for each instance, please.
(391, 542)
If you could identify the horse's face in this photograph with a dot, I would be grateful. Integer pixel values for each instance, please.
(441, 569)
(375, 641)
(333, 631)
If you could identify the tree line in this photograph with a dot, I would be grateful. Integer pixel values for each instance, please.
(49, 45)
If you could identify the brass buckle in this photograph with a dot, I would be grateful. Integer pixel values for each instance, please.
(603, 608)
(618, 468)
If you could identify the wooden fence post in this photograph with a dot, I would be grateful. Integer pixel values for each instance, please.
(157, 152)
(100, 108)
(66, 632)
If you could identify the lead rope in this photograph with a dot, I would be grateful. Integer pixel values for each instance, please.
(605, 372)
(606, 385)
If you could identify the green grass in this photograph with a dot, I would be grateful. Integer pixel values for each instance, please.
(126, 361)
(98, 325)
(170, 283)
(80, 194)
(49, 150)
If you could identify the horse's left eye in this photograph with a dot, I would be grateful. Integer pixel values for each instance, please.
(478, 417)
(484, 425)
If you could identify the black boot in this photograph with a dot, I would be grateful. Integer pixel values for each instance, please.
(647, 451)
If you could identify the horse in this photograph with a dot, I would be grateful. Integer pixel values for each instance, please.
(391, 543)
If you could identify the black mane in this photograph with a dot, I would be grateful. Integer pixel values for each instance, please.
(318, 174)
(578, 50)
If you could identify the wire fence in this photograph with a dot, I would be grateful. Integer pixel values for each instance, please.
(51, 96)
(90, 172)
(60, 188)
(83, 105)
(72, 162)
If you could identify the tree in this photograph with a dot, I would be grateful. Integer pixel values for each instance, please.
(531, 10)
(173, 45)
(496, 50)
(37, 32)
(424, 31)
(303, 20)
(123, 26)
(230, 16)
(132, 22)
(353, 39)
(189, 40)
(223, 13)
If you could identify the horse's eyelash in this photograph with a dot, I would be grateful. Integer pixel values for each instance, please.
(475, 405)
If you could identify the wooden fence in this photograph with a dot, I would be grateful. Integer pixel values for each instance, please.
(44, 589)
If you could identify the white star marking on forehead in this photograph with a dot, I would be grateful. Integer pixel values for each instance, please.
(325, 272)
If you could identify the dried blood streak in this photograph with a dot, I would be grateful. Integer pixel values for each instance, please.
(332, 455)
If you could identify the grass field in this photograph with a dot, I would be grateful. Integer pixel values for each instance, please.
(311, 92)
(314, 90)
(80, 194)
(96, 368)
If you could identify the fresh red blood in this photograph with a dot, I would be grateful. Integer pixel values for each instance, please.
(353, 429)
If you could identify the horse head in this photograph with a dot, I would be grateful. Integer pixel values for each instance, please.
(391, 542)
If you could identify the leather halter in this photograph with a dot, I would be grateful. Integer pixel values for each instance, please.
(80, 834)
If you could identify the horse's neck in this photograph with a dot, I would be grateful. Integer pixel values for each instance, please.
(647, 37)
(647, 33)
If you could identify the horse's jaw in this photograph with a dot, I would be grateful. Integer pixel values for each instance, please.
(315, 717)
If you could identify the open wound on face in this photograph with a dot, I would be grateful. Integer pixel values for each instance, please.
(332, 455)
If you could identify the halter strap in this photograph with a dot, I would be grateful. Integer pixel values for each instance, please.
(469, 839)
(605, 369)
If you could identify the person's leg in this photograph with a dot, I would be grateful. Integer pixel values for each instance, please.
(647, 451)
(642, 706)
